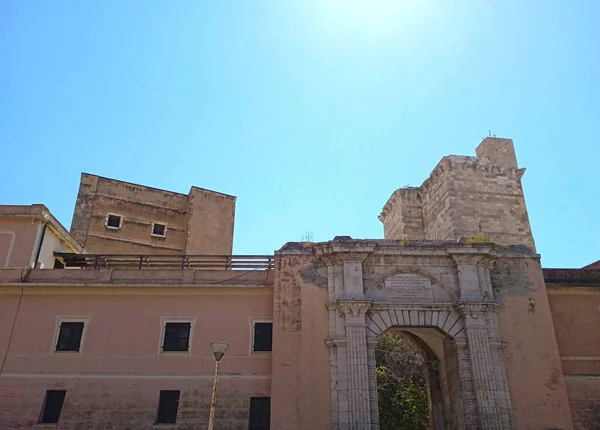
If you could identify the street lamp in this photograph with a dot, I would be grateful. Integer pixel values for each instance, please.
(219, 349)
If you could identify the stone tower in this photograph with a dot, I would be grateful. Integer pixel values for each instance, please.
(465, 197)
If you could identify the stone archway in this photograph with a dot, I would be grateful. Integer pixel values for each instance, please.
(375, 286)
(412, 365)
(434, 330)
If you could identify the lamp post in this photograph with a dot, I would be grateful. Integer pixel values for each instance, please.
(219, 349)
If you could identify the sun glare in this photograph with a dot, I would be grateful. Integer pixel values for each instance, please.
(373, 12)
(376, 20)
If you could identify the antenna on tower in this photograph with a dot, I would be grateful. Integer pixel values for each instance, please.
(307, 236)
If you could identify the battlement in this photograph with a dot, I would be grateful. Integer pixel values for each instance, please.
(464, 196)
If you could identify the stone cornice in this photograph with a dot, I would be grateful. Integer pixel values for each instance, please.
(336, 341)
(136, 290)
(461, 162)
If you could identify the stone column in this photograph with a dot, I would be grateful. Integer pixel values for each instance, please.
(358, 377)
(372, 371)
(478, 310)
(467, 389)
(489, 412)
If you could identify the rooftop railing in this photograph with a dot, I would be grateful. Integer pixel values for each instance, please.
(168, 261)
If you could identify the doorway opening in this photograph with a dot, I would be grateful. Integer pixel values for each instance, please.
(409, 387)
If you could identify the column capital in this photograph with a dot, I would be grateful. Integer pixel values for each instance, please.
(467, 259)
(487, 261)
(475, 309)
(354, 308)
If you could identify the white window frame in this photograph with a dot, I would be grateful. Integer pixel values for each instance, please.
(253, 321)
(110, 226)
(161, 340)
(158, 235)
(61, 319)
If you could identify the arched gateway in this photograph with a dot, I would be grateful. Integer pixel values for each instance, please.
(440, 294)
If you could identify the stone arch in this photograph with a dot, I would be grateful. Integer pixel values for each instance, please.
(414, 321)
(413, 271)
(447, 320)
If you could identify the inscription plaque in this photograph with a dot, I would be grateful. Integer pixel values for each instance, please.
(408, 288)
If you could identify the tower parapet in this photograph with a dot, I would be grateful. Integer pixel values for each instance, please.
(465, 196)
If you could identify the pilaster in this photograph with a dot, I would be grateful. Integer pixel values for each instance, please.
(358, 378)
(490, 413)
(468, 275)
(467, 387)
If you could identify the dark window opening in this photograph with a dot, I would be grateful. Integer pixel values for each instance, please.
(263, 336)
(69, 336)
(158, 229)
(114, 221)
(53, 403)
(168, 404)
(177, 337)
(58, 264)
(260, 413)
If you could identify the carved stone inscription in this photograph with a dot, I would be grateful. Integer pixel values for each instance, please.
(408, 288)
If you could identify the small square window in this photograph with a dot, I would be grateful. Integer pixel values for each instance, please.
(114, 221)
(52, 407)
(177, 336)
(159, 229)
(260, 413)
(69, 336)
(168, 403)
(263, 337)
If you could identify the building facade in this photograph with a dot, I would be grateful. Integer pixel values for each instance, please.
(115, 217)
(120, 337)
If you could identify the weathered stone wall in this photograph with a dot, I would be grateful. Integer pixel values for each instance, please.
(439, 216)
(465, 197)
(83, 207)
(115, 379)
(301, 378)
(127, 402)
(405, 214)
(499, 151)
(210, 220)
(575, 311)
(488, 199)
(198, 223)
(531, 354)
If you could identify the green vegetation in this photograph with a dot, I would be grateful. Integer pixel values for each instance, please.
(401, 384)
(479, 238)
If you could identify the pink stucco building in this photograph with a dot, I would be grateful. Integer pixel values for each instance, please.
(109, 325)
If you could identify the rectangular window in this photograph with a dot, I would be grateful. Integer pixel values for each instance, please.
(159, 229)
(69, 336)
(260, 413)
(114, 221)
(177, 336)
(168, 404)
(53, 403)
(263, 336)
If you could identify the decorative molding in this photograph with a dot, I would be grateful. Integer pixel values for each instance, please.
(354, 308)
(475, 309)
(336, 341)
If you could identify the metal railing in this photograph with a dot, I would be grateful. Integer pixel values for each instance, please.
(168, 261)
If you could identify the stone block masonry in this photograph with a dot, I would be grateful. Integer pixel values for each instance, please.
(465, 196)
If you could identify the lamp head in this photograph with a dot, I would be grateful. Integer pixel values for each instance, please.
(219, 349)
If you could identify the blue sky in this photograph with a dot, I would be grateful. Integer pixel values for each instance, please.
(310, 112)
